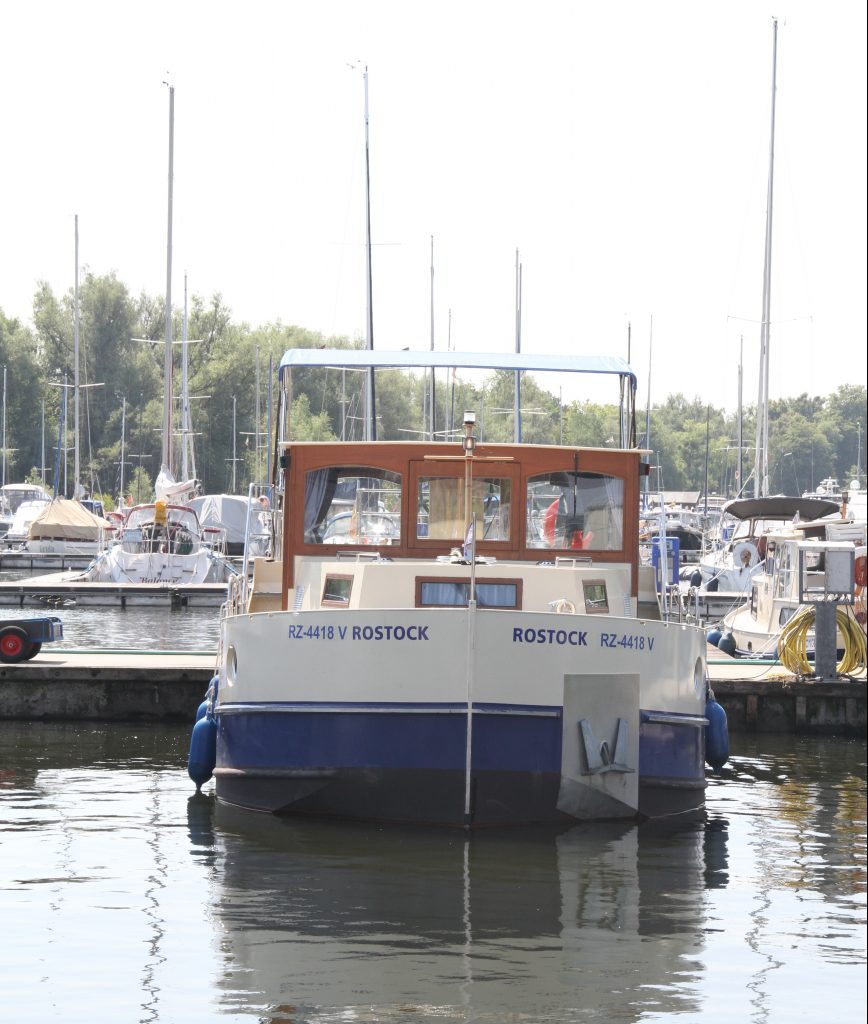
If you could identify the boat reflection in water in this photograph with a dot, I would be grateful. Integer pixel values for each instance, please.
(410, 924)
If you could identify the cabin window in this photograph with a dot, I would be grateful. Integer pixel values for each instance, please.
(440, 511)
(337, 590)
(455, 593)
(785, 615)
(785, 571)
(596, 598)
(575, 511)
(352, 505)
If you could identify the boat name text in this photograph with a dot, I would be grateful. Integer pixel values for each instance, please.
(579, 638)
(358, 632)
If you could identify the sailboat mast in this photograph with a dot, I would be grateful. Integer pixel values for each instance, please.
(188, 455)
(123, 441)
(431, 401)
(76, 494)
(371, 418)
(761, 468)
(516, 416)
(167, 375)
(4, 426)
(648, 405)
(740, 442)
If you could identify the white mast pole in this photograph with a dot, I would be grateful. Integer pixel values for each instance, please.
(431, 424)
(738, 465)
(234, 457)
(371, 418)
(167, 375)
(761, 471)
(516, 418)
(123, 430)
(76, 490)
(4, 426)
(257, 413)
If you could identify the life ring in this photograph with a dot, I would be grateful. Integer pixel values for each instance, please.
(861, 571)
(745, 555)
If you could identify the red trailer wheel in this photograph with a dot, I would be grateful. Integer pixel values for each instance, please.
(14, 644)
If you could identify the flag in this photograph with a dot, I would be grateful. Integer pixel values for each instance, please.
(470, 541)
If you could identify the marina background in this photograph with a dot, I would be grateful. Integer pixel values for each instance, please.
(622, 149)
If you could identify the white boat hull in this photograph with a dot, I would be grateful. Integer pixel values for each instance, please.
(461, 717)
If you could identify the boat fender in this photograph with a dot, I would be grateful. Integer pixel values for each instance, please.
(712, 585)
(716, 734)
(861, 571)
(696, 578)
(713, 637)
(203, 751)
(727, 644)
(210, 696)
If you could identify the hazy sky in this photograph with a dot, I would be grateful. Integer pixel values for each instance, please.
(621, 148)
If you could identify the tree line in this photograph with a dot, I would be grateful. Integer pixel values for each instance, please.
(232, 373)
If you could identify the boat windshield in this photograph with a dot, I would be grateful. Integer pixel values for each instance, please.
(352, 504)
(575, 511)
(176, 515)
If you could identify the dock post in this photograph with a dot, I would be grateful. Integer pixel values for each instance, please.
(825, 641)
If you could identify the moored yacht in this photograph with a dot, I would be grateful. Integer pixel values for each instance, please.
(466, 667)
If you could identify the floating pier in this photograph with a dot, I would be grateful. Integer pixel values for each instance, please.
(58, 590)
(20, 560)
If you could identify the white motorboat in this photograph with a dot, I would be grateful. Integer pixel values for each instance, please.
(731, 567)
(758, 626)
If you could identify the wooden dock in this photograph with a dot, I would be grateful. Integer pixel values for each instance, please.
(61, 589)
(99, 685)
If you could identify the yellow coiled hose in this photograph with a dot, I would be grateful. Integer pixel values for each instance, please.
(793, 643)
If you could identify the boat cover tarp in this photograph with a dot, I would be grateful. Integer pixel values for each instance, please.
(223, 512)
(62, 518)
(781, 506)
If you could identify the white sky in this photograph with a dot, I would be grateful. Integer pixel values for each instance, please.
(620, 147)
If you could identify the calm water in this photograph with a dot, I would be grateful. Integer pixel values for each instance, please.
(126, 898)
(156, 629)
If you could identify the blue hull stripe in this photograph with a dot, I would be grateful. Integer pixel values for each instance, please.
(508, 738)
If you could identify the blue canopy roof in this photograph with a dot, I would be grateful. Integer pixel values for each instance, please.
(376, 358)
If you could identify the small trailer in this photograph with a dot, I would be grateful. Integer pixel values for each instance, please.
(22, 639)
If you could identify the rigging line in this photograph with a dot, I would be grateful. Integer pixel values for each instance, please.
(777, 323)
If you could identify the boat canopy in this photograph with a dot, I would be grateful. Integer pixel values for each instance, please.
(426, 360)
(780, 506)
(514, 362)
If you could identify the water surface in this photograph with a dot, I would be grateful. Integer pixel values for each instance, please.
(125, 897)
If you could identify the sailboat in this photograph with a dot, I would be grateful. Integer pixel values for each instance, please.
(163, 541)
(730, 569)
